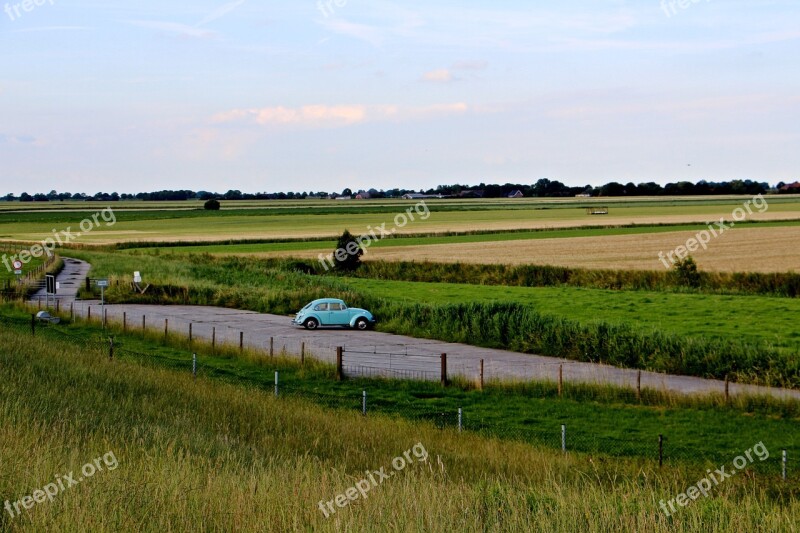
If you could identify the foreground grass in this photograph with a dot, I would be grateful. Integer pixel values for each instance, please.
(201, 455)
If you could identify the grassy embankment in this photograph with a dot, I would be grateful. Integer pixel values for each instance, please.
(197, 455)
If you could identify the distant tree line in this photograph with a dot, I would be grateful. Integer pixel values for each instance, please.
(543, 188)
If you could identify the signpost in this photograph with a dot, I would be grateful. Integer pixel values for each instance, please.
(102, 283)
(50, 281)
(18, 267)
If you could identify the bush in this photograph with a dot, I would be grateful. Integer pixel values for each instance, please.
(212, 205)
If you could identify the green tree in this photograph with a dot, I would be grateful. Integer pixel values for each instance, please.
(212, 205)
(347, 256)
(686, 273)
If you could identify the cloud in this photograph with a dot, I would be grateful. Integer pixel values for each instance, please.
(471, 65)
(363, 32)
(53, 28)
(220, 12)
(335, 116)
(173, 27)
(441, 75)
(19, 139)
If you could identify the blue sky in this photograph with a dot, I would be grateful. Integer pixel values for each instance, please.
(309, 96)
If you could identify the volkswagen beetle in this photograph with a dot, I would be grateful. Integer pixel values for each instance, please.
(333, 312)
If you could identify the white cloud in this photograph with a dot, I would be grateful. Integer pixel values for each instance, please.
(335, 116)
(441, 75)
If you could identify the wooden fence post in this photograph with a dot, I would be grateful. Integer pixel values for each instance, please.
(33, 324)
(166, 327)
(481, 380)
(144, 323)
(339, 363)
(88, 315)
(214, 338)
(444, 370)
(303, 353)
(639, 386)
(727, 390)
(272, 346)
(124, 322)
(660, 451)
(241, 341)
(560, 379)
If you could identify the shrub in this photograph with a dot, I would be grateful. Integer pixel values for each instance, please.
(212, 205)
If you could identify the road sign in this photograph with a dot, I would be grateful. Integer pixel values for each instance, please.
(51, 284)
(102, 283)
(18, 272)
(17, 265)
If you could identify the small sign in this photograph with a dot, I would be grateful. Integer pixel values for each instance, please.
(17, 265)
(102, 283)
(18, 272)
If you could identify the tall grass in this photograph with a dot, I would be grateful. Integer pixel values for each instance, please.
(201, 455)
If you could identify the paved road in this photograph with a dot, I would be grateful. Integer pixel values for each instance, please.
(374, 353)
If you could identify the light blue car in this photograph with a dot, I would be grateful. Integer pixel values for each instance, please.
(333, 312)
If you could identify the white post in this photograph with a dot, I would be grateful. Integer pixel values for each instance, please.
(564, 438)
(194, 365)
(459, 419)
(276, 383)
(364, 403)
(784, 465)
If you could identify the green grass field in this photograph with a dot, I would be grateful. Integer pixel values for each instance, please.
(213, 454)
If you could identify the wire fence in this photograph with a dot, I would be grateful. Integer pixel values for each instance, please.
(660, 449)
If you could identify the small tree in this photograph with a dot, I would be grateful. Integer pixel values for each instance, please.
(686, 273)
(211, 205)
(347, 256)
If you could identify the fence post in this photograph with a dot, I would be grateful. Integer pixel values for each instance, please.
(783, 469)
(213, 338)
(33, 324)
(58, 306)
(241, 341)
(276, 383)
(190, 332)
(459, 419)
(339, 373)
(124, 321)
(88, 314)
(444, 370)
(88, 283)
(727, 390)
(660, 450)
(563, 438)
(272, 346)
(303, 353)
(71, 312)
(105, 317)
(364, 403)
(110, 348)
(166, 327)
(481, 382)
(194, 365)
(639, 386)
(144, 323)
(560, 379)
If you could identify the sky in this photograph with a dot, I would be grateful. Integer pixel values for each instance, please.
(318, 96)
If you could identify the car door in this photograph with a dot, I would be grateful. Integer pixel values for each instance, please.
(338, 315)
(321, 310)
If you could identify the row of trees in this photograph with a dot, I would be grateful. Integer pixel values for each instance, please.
(542, 188)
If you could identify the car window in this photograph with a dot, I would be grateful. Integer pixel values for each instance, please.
(321, 307)
(336, 307)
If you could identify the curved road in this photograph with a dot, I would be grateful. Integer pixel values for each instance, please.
(375, 353)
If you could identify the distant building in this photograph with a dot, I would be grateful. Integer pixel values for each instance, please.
(583, 195)
(472, 194)
(791, 187)
(363, 195)
(419, 196)
(516, 194)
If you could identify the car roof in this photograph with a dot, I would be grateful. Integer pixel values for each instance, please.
(327, 301)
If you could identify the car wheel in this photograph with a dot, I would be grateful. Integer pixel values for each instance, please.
(311, 323)
(362, 324)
